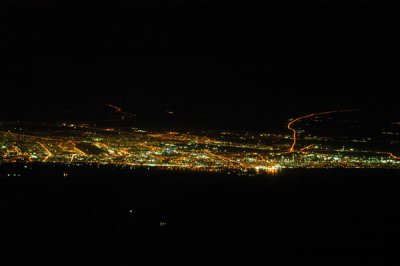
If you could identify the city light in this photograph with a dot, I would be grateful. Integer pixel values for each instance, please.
(216, 151)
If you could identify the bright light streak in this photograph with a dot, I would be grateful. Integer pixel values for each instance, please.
(289, 126)
(49, 154)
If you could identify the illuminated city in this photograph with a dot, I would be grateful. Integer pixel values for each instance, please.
(212, 151)
(167, 133)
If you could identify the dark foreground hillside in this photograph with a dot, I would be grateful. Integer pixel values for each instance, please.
(109, 216)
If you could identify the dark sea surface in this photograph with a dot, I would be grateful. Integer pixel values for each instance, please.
(112, 216)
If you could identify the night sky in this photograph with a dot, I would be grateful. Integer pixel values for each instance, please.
(200, 57)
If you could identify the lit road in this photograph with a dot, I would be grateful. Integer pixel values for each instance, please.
(240, 151)
(122, 112)
(289, 126)
(49, 153)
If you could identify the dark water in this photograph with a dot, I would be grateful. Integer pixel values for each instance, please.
(111, 216)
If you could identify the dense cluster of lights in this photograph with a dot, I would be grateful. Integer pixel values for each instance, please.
(195, 151)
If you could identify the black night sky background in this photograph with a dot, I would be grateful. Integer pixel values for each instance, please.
(208, 90)
(236, 59)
